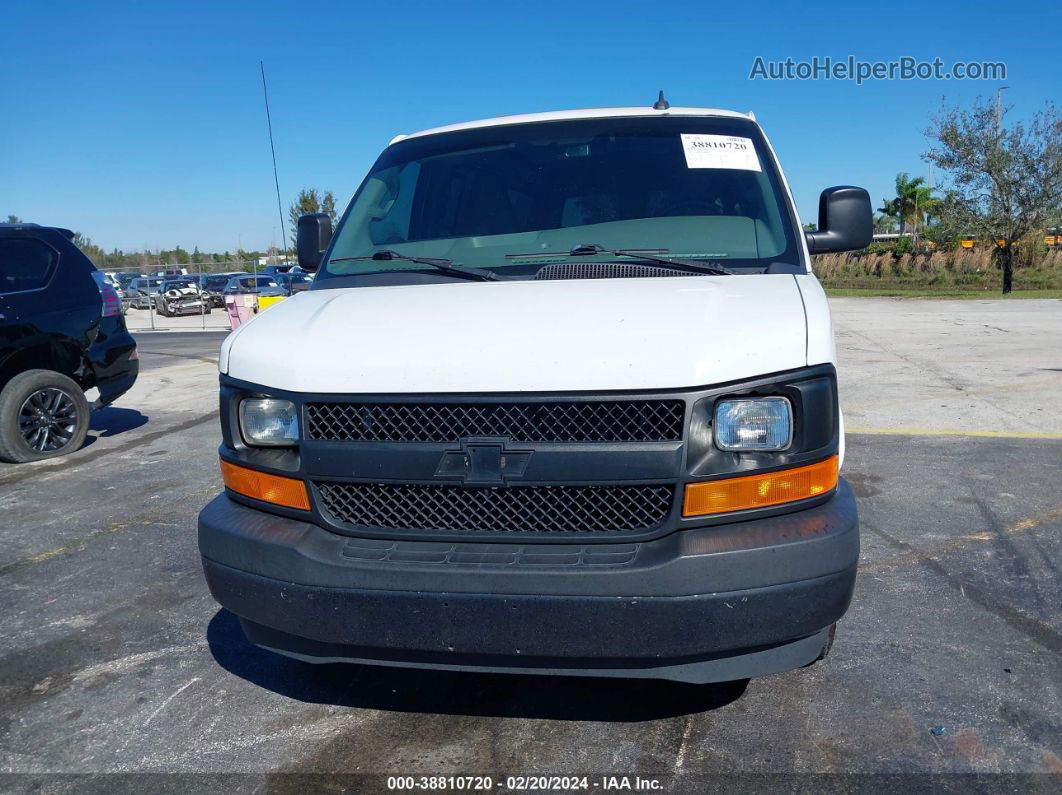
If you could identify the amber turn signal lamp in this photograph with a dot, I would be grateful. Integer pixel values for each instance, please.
(285, 492)
(760, 491)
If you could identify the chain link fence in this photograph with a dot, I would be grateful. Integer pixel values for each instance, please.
(146, 308)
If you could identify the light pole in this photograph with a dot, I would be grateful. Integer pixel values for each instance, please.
(999, 108)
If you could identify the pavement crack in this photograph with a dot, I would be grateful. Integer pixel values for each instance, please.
(1037, 631)
(680, 756)
(171, 697)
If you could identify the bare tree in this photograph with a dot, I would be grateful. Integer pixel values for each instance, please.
(1002, 182)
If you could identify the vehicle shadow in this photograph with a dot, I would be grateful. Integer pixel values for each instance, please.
(460, 693)
(111, 421)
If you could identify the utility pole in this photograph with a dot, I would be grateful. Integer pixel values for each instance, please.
(999, 108)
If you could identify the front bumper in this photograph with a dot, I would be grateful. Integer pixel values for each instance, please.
(698, 605)
(183, 306)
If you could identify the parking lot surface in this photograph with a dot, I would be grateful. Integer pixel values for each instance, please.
(116, 659)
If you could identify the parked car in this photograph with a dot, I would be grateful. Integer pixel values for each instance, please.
(541, 418)
(214, 285)
(124, 277)
(262, 285)
(294, 281)
(181, 296)
(112, 280)
(283, 267)
(61, 333)
(141, 292)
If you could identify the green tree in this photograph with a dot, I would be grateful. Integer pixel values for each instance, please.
(884, 223)
(913, 201)
(173, 256)
(14, 219)
(310, 201)
(90, 249)
(1006, 181)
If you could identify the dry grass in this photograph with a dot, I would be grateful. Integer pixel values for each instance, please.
(958, 270)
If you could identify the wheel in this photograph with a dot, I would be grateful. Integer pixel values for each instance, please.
(161, 310)
(43, 414)
(206, 311)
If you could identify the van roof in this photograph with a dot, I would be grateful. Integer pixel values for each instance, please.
(561, 115)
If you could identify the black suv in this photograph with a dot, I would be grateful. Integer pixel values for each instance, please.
(61, 333)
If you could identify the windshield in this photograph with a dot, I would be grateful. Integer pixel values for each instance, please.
(698, 188)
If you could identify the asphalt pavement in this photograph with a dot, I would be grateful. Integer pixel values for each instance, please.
(165, 348)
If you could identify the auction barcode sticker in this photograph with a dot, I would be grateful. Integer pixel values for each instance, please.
(719, 151)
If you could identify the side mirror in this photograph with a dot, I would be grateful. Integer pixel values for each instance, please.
(846, 221)
(312, 239)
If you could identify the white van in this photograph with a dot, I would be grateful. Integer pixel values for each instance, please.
(561, 399)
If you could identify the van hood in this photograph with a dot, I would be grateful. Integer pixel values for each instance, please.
(524, 336)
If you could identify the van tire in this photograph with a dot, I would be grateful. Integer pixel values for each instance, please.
(13, 447)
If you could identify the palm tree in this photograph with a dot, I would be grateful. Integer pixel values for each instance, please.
(884, 223)
(913, 202)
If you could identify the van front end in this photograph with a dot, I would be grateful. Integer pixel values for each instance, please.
(601, 534)
(561, 399)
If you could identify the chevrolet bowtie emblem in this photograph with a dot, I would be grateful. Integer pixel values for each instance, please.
(484, 462)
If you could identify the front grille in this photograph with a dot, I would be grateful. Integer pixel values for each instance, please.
(519, 509)
(552, 421)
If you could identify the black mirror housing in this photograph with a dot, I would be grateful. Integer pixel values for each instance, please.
(846, 221)
(311, 242)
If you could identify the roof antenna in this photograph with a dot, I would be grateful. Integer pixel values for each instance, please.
(661, 103)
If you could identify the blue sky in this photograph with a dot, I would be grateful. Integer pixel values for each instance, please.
(142, 125)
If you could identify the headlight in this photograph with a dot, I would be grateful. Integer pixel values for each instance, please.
(754, 424)
(269, 422)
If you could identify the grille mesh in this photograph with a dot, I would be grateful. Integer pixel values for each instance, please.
(604, 270)
(533, 509)
(593, 421)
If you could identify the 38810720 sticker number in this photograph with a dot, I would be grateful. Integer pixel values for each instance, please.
(720, 151)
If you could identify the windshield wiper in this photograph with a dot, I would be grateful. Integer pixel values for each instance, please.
(444, 265)
(590, 249)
